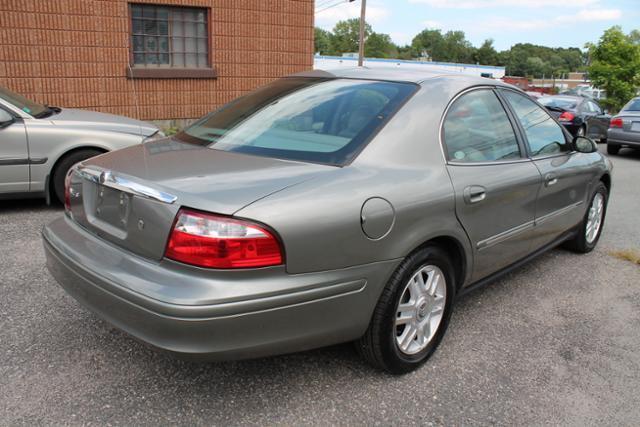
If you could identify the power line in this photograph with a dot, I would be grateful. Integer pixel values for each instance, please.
(332, 5)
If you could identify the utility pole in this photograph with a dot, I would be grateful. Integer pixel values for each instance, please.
(362, 24)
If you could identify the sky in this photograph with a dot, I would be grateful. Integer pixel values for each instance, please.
(554, 23)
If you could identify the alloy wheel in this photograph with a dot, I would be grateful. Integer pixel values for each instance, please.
(421, 309)
(594, 218)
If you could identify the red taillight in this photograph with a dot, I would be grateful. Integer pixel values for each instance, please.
(566, 117)
(67, 191)
(213, 241)
(615, 122)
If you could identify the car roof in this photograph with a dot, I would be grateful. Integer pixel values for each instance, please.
(396, 74)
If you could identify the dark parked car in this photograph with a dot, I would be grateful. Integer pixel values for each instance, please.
(581, 116)
(325, 208)
(624, 129)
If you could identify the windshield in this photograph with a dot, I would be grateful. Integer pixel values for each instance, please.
(633, 105)
(23, 103)
(556, 102)
(310, 119)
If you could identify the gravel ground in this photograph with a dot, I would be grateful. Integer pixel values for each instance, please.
(557, 341)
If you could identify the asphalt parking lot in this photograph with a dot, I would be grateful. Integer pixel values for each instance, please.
(557, 341)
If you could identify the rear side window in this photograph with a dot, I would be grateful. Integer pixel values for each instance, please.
(477, 129)
(633, 105)
(544, 136)
(318, 120)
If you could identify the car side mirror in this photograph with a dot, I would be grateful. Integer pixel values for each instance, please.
(582, 144)
(6, 119)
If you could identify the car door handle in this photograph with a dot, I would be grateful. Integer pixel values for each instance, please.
(474, 194)
(550, 179)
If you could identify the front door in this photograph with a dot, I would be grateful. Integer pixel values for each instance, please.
(565, 182)
(14, 157)
(597, 120)
(495, 184)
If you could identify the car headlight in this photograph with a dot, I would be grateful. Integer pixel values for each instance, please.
(154, 136)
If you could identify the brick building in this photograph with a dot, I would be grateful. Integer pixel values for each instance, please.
(154, 60)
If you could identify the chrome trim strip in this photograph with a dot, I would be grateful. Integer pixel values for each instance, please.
(553, 214)
(499, 238)
(111, 180)
(497, 162)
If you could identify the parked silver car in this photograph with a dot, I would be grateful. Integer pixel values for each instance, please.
(624, 128)
(325, 208)
(38, 143)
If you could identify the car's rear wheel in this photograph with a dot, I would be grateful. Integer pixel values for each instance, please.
(613, 149)
(591, 226)
(63, 166)
(412, 313)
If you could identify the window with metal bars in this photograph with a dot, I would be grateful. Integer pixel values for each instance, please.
(169, 37)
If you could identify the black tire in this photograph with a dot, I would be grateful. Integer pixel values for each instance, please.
(602, 141)
(579, 243)
(63, 166)
(378, 345)
(613, 149)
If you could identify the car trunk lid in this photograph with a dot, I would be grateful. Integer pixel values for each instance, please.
(131, 197)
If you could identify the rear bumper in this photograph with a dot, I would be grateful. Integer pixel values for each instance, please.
(209, 315)
(623, 138)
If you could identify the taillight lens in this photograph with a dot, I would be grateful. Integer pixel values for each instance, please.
(67, 191)
(566, 117)
(615, 122)
(214, 241)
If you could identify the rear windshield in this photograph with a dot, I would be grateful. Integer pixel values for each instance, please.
(633, 105)
(563, 103)
(309, 119)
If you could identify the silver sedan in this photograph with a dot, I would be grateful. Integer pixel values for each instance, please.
(39, 143)
(325, 208)
(624, 128)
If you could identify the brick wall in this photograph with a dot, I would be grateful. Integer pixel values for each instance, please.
(74, 53)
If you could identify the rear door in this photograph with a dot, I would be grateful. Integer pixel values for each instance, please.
(495, 184)
(565, 173)
(14, 158)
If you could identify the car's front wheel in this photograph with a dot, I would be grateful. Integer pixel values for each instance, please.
(412, 313)
(63, 166)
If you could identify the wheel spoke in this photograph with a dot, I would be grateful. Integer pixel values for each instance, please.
(432, 283)
(407, 336)
(416, 287)
(404, 318)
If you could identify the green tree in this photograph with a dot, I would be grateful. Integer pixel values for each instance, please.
(431, 43)
(615, 67)
(322, 41)
(380, 45)
(457, 47)
(486, 54)
(346, 35)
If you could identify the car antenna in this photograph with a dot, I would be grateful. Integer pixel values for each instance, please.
(135, 99)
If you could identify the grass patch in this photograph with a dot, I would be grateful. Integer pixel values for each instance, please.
(627, 255)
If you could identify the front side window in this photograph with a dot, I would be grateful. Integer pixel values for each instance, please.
(310, 119)
(477, 129)
(544, 136)
(169, 36)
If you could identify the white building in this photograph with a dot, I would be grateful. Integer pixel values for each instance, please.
(333, 62)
